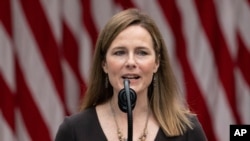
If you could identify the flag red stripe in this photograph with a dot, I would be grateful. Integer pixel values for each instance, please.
(88, 21)
(125, 3)
(71, 53)
(194, 96)
(46, 42)
(7, 103)
(32, 117)
(225, 64)
(243, 55)
(61, 53)
(5, 15)
(7, 99)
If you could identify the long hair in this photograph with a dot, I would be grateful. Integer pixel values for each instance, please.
(168, 107)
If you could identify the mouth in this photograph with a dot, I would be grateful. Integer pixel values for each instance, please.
(131, 76)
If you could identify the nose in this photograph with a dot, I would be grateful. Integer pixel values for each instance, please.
(130, 63)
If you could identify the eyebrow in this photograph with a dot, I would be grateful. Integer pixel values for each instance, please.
(142, 47)
(123, 47)
(119, 47)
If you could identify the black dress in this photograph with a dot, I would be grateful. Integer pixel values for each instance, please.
(85, 126)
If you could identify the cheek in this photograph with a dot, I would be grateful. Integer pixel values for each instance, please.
(113, 66)
(148, 67)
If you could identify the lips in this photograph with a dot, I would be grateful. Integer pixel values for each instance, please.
(131, 76)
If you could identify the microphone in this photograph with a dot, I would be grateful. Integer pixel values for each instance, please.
(126, 101)
(122, 97)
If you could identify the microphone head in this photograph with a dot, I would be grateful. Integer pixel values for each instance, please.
(122, 99)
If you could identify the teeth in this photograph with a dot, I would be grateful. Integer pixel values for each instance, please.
(131, 77)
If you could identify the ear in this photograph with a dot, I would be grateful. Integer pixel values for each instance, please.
(156, 67)
(104, 66)
(157, 64)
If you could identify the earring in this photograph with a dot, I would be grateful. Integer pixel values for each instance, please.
(154, 80)
(106, 81)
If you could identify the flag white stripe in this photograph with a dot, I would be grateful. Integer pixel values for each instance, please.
(107, 12)
(21, 131)
(52, 9)
(71, 88)
(243, 97)
(71, 13)
(227, 21)
(6, 133)
(45, 91)
(65, 20)
(243, 89)
(70, 16)
(85, 54)
(205, 73)
(7, 58)
(243, 22)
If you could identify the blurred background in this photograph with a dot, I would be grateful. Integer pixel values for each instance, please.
(46, 48)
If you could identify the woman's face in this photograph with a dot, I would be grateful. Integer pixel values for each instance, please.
(131, 55)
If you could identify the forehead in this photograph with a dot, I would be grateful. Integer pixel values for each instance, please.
(134, 30)
(133, 34)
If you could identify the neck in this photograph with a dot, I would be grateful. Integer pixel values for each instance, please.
(140, 114)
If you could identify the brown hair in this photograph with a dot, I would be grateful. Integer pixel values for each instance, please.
(167, 105)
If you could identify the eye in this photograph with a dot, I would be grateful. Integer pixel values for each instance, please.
(119, 52)
(142, 52)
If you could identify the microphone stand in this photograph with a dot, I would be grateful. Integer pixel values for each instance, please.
(126, 101)
(130, 114)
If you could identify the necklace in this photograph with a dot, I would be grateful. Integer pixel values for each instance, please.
(119, 133)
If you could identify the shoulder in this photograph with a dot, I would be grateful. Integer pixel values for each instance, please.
(81, 117)
(196, 133)
(77, 126)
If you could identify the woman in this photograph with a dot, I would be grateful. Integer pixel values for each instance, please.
(131, 47)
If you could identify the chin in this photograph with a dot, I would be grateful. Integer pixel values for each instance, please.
(135, 89)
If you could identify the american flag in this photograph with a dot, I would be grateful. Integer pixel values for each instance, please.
(46, 48)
